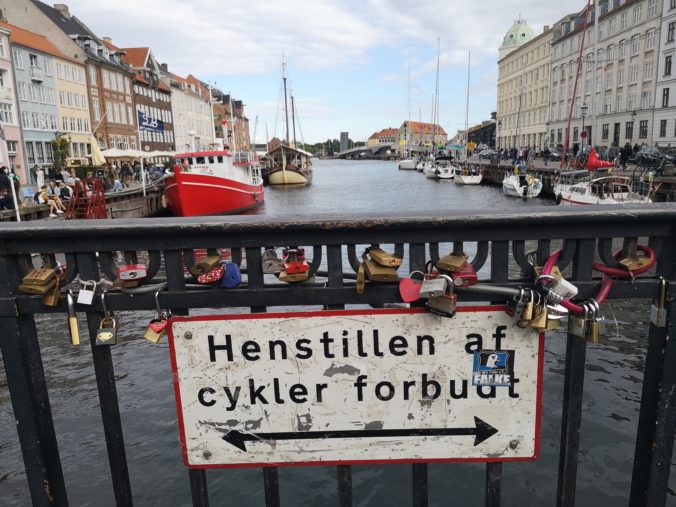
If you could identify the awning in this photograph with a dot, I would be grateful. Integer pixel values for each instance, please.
(97, 157)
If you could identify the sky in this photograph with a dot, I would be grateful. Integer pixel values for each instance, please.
(347, 61)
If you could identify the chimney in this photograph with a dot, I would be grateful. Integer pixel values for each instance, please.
(164, 67)
(545, 28)
(2, 17)
(63, 9)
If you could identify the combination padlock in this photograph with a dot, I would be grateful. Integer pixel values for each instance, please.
(271, 264)
(232, 276)
(86, 294)
(107, 332)
(445, 304)
(452, 263)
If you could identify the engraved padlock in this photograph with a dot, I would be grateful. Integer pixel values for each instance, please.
(445, 304)
(86, 294)
(107, 332)
(433, 285)
(271, 264)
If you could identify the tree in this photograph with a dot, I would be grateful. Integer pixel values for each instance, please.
(61, 152)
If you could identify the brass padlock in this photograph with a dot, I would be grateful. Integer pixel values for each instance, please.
(385, 258)
(107, 332)
(41, 290)
(361, 279)
(271, 264)
(377, 273)
(539, 321)
(156, 328)
(205, 265)
(577, 325)
(72, 320)
(634, 262)
(39, 276)
(445, 304)
(452, 262)
(53, 297)
(294, 277)
(556, 272)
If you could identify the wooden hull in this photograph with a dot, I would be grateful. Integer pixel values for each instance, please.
(288, 177)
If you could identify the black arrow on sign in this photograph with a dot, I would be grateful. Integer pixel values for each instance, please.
(481, 431)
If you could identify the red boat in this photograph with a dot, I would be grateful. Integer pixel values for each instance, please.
(213, 183)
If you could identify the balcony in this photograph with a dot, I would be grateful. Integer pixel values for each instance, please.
(37, 74)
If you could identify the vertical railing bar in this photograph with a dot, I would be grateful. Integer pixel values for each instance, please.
(499, 274)
(29, 340)
(173, 264)
(576, 352)
(660, 465)
(334, 261)
(105, 381)
(419, 471)
(256, 281)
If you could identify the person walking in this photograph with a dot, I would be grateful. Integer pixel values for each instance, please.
(33, 175)
(39, 176)
(625, 153)
(545, 155)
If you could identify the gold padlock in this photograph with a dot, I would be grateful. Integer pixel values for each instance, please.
(294, 277)
(41, 290)
(633, 263)
(72, 320)
(361, 279)
(205, 265)
(39, 276)
(452, 263)
(385, 258)
(377, 273)
(53, 297)
(556, 272)
(539, 321)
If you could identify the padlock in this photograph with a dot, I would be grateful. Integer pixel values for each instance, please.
(445, 304)
(385, 258)
(377, 273)
(53, 297)
(409, 288)
(41, 290)
(559, 286)
(465, 276)
(295, 267)
(157, 327)
(433, 285)
(232, 276)
(577, 325)
(132, 272)
(515, 306)
(294, 277)
(205, 265)
(539, 321)
(556, 272)
(39, 276)
(72, 320)
(86, 296)
(361, 279)
(658, 314)
(592, 332)
(527, 314)
(634, 263)
(271, 264)
(452, 263)
(107, 332)
(212, 276)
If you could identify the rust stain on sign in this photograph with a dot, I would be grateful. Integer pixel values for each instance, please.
(356, 386)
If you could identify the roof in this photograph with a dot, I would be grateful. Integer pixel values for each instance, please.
(519, 33)
(417, 127)
(136, 57)
(33, 41)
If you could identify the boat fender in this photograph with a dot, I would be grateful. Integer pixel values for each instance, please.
(559, 197)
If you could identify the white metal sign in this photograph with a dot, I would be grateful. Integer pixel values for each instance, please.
(356, 387)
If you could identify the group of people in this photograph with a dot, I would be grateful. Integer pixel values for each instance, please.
(519, 156)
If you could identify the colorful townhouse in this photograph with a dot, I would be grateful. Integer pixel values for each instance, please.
(11, 144)
(32, 59)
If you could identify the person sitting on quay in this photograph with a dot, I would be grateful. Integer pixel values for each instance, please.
(6, 201)
(54, 193)
(43, 198)
(65, 192)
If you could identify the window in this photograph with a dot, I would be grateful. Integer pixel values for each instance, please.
(123, 115)
(606, 106)
(667, 65)
(97, 110)
(609, 80)
(611, 27)
(671, 28)
(2, 47)
(643, 129)
(109, 111)
(665, 97)
(18, 58)
(59, 70)
(637, 14)
(620, 50)
(635, 44)
(69, 99)
(43, 94)
(33, 93)
(48, 153)
(650, 40)
(25, 120)
(610, 54)
(92, 75)
(652, 8)
(64, 123)
(647, 99)
(106, 79)
(120, 84)
(604, 131)
(30, 153)
(629, 130)
(54, 125)
(631, 101)
(126, 86)
(618, 104)
(132, 140)
(623, 20)
(663, 128)
(50, 96)
(48, 66)
(633, 74)
(6, 115)
(130, 113)
(23, 92)
(33, 59)
(39, 150)
(647, 71)
(620, 77)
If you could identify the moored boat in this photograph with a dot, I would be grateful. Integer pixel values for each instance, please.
(581, 188)
(439, 171)
(289, 166)
(521, 185)
(468, 174)
(408, 163)
(213, 183)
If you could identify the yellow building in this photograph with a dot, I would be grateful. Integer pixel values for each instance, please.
(73, 109)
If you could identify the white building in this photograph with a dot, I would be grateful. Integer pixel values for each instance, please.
(664, 126)
(523, 87)
(616, 85)
(191, 112)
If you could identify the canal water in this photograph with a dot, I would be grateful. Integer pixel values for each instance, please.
(144, 384)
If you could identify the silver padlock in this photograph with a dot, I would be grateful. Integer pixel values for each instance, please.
(560, 286)
(445, 304)
(271, 264)
(658, 313)
(556, 312)
(86, 296)
(434, 285)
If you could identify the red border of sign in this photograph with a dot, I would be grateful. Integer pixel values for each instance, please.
(392, 311)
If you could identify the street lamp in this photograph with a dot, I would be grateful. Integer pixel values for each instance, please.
(583, 111)
(633, 115)
(497, 138)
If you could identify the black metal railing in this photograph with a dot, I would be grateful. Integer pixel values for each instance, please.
(498, 241)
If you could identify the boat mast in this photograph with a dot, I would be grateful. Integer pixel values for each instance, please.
(469, 59)
(293, 119)
(286, 104)
(435, 114)
(232, 122)
(408, 120)
(211, 108)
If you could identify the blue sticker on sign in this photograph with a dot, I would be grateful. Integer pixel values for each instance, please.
(493, 368)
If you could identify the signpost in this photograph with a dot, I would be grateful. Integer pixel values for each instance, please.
(362, 386)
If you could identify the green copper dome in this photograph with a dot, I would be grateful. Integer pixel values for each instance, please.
(518, 34)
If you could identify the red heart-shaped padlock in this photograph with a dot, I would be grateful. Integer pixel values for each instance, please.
(158, 325)
(409, 290)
